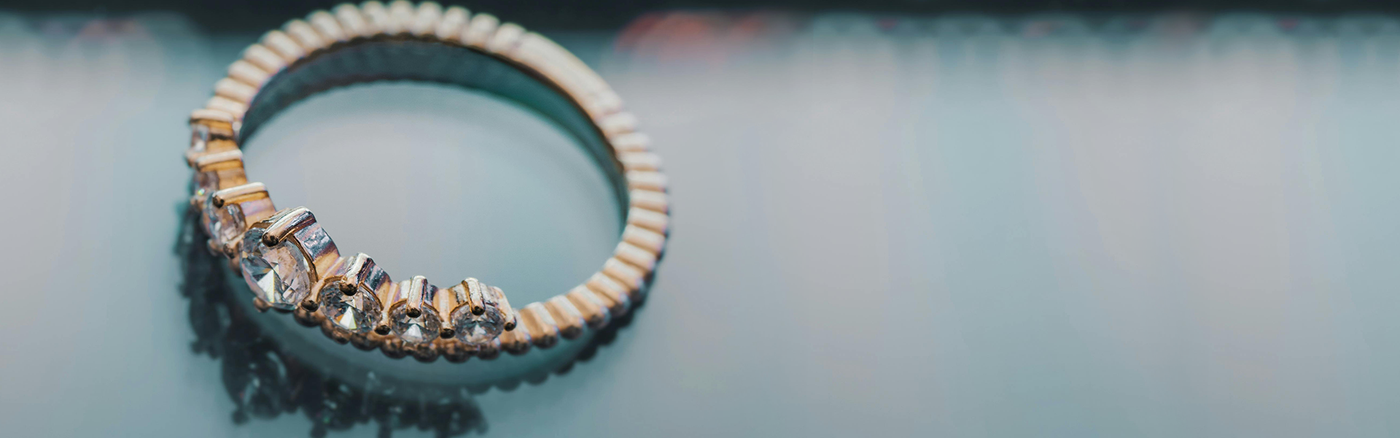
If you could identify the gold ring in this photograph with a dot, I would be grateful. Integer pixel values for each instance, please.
(292, 265)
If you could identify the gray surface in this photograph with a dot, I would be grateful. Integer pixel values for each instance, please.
(966, 229)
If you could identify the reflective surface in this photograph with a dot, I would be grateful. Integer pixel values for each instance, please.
(1167, 225)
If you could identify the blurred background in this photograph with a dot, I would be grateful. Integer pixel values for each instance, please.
(903, 218)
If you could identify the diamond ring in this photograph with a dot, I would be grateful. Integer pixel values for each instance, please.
(291, 264)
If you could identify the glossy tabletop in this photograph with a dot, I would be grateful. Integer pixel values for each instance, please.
(959, 225)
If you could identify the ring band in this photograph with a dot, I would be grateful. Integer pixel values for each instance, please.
(291, 264)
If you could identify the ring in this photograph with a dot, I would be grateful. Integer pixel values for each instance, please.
(291, 264)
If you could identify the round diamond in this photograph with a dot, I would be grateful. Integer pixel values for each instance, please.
(224, 224)
(355, 313)
(278, 274)
(477, 329)
(415, 330)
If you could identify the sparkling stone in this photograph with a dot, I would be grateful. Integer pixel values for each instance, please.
(199, 137)
(205, 184)
(278, 274)
(355, 313)
(478, 329)
(223, 224)
(420, 330)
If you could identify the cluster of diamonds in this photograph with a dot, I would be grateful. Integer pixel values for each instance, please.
(291, 265)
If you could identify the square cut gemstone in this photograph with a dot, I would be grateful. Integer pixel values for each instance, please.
(278, 274)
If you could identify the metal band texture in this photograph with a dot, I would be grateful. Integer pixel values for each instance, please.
(291, 265)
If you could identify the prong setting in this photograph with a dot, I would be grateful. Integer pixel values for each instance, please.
(229, 211)
(348, 299)
(480, 315)
(410, 316)
(283, 273)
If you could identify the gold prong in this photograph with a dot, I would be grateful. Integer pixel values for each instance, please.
(254, 190)
(417, 287)
(360, 272)
(449, 299)
(474, 296)
(286, 224)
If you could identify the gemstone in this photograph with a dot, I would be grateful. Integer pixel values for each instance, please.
(205, 184)
(278, 274)
(356, 313)
(415, 330)
(199, 137)
(224, 224)
(478, 329)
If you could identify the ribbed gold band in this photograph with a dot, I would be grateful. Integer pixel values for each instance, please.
(292, 265)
